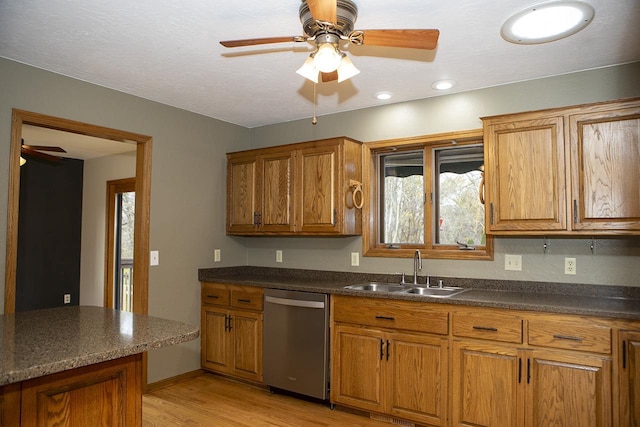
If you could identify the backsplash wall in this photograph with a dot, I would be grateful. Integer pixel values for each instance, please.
(614, 261)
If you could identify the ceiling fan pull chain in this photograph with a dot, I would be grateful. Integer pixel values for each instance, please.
(314, 121)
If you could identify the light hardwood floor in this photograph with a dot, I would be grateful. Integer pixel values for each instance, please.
(212, 400)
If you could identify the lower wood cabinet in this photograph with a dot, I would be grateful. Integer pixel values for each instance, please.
(104, 394)
(386, 371)
(567, 389)
(480, 367)
(485, 382)
(629, 378)
(231, 338)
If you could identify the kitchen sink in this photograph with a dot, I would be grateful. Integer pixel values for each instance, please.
(377, 287)
(444, 292)
(436, 292)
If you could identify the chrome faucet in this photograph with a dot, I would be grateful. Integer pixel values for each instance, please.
(417, 265)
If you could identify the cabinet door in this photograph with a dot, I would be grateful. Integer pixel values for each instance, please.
(416, 375)
(356, 371)
(629, 369)
(276, 188)
(318, 207)
(568, 389)
(605, 154)
(216, 351)
(486, 385)
(246, 329)
(525, 175)
(242, 196)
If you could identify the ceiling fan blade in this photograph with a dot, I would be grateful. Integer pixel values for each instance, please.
(329, 77)
(324, 10)
(44, 156)
(266, 40)
(44, 148)
(413, 39)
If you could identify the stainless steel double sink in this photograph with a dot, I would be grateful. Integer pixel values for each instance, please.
(435, 292)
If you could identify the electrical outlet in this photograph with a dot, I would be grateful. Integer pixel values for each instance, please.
(570, 266)
(513, 262)
(355, 259)
(67, 298)
(278, 255)
(216, 255)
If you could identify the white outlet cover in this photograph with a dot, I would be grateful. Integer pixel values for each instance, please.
(216, 255)
(155, 258)
(355, 259)
(278, 255)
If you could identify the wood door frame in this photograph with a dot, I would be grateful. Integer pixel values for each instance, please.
(113, 188)
(143, 196)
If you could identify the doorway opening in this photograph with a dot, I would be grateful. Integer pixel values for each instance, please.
(121, 197)
(142, 201)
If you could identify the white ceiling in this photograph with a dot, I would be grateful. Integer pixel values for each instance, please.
(77, 146)
(168, 51)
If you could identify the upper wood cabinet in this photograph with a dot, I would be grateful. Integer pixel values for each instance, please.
(564, 171)
(296, 189)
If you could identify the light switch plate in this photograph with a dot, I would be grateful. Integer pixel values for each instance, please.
(278, 255)
(513, 262)
(155, 258)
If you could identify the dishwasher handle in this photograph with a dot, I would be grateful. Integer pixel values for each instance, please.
(294, 302)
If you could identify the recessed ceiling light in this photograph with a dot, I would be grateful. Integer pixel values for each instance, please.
(383, 96)
(547, 22)
(443, 84)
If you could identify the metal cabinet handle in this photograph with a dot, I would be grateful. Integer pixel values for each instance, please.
(568, 338)
(213, 296)
(485, 328)
(388, 350)
(381, 348)
(246, 301)
(385, 318)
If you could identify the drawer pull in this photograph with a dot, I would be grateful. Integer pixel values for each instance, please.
(213, 296)
(385, 318)
(485, 328)
(568, 338)
(246, 301)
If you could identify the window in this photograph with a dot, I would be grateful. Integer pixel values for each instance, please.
(425, 195)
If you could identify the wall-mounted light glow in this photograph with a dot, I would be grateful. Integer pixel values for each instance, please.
(547, 22)
(383, 96)
(443, 84)
(22, 160)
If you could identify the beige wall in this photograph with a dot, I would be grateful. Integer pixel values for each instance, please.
(187, 187)
(188, 184)
(615, 261)
(94, 188)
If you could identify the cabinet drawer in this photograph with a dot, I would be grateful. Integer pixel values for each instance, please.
(393, 314)
(214, 294)
(246, 299)
(572, 334)
(488, 326)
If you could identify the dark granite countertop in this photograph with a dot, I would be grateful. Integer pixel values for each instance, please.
(619, 302)
(41, 342)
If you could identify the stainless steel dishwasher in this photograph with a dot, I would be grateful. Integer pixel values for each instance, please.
(296, 342)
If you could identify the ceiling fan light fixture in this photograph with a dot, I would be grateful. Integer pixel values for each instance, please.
(547, 22)
(346, 70)
(309, 70)
(327, 58)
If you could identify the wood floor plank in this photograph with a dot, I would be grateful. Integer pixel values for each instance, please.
(212, 400)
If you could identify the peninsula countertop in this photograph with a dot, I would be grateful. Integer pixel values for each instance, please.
(594, 300)
(41, 342)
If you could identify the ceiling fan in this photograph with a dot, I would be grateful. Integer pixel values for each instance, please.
(328, 22)
(38, 152)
